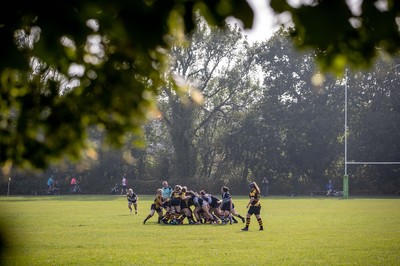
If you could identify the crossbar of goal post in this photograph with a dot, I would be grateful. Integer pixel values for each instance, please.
(346, 177)
(372, 162)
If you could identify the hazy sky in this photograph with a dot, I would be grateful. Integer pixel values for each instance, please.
(263, 24)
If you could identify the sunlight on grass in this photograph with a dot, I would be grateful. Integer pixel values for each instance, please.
(99, 230)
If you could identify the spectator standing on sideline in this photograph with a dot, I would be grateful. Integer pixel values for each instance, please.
(255, 206)
(56, 187)
(124, 184)
(329, 188)
(265, 185)
(74, 184)
(50, 184)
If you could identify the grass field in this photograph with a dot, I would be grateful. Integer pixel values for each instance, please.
(99, 230)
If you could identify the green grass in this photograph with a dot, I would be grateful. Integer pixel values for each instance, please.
(98, 230)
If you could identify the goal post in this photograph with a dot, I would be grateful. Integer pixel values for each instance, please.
(345, 186)
(346, 176)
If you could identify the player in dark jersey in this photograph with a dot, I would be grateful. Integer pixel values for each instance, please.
(156, 207)
(132, 200)
(186, 212)
(226, 207)
(255, 206)
(215, 204)
(176, 204)
(199, 204)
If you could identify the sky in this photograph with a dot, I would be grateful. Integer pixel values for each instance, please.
(263, 24)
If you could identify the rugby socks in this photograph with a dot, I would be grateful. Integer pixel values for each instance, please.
(166, 218)
(246, 228)
(148, 217)
(182, 217)
(191, 220)
(215, 218)
(260, 223)
(241, 217)
(247, 222)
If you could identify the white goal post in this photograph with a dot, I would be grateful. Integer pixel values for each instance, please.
(346, 177)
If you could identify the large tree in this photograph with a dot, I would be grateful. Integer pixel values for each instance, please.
(72, 65)
(291, 136)
(217, 65)
(67, 66)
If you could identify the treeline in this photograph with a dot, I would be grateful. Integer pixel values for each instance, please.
(249, 111)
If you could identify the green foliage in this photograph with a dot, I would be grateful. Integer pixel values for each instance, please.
(294, 133)
(119, 49)
(98, 230)
(288, 128)
(216, 65)
(344, 36)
